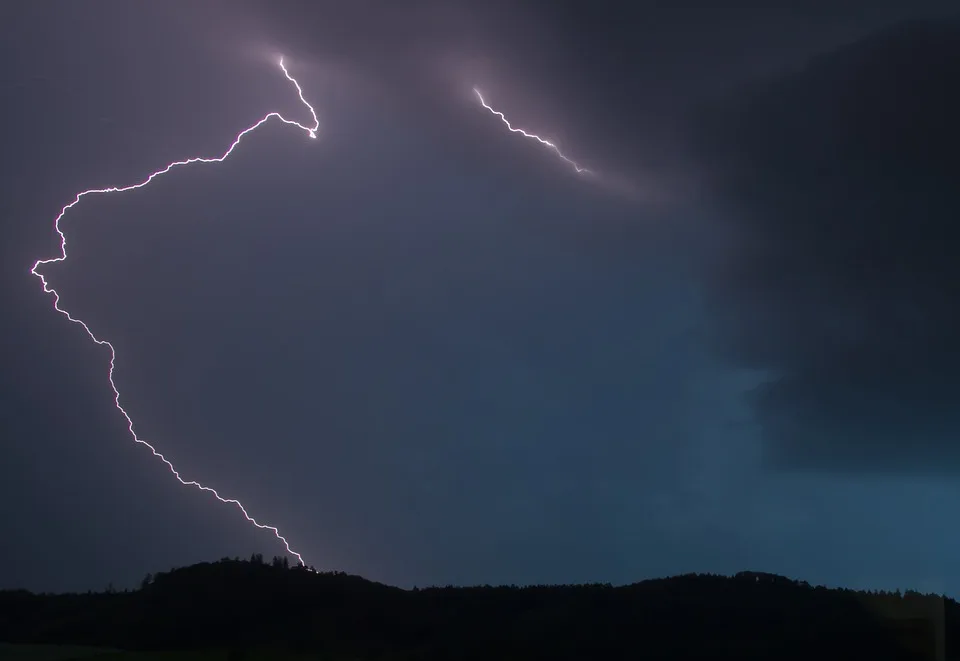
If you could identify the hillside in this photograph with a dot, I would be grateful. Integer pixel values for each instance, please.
(247, 605)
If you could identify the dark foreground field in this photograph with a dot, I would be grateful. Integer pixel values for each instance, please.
(235, 609)
(81, 653)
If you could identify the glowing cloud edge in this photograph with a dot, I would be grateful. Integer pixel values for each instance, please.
(312, 133)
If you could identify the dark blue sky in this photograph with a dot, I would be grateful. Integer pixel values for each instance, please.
(427, 351)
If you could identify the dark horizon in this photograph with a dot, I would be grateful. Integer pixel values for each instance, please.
(253, 608)
(283, 562)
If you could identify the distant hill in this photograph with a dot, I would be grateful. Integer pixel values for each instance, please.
(246, 605)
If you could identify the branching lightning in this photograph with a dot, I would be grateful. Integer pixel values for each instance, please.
(310, 131)
(542, 141)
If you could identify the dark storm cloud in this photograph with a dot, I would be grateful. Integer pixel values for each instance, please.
(840, 185)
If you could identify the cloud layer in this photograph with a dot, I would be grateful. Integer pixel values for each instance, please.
(839, 187)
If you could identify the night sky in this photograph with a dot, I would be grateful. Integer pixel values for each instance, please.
(428, 351)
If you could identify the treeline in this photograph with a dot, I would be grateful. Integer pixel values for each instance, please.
(249, 604)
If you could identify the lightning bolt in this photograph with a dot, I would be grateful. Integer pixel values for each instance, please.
(310, 131)
(532, 136)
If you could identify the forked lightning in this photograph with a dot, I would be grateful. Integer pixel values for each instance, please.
(310, 131)
(532, 136)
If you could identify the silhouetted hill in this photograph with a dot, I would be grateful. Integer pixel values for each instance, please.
(248, 604)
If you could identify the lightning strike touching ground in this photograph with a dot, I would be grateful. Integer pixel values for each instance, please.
(312, 132)
(533, 136)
